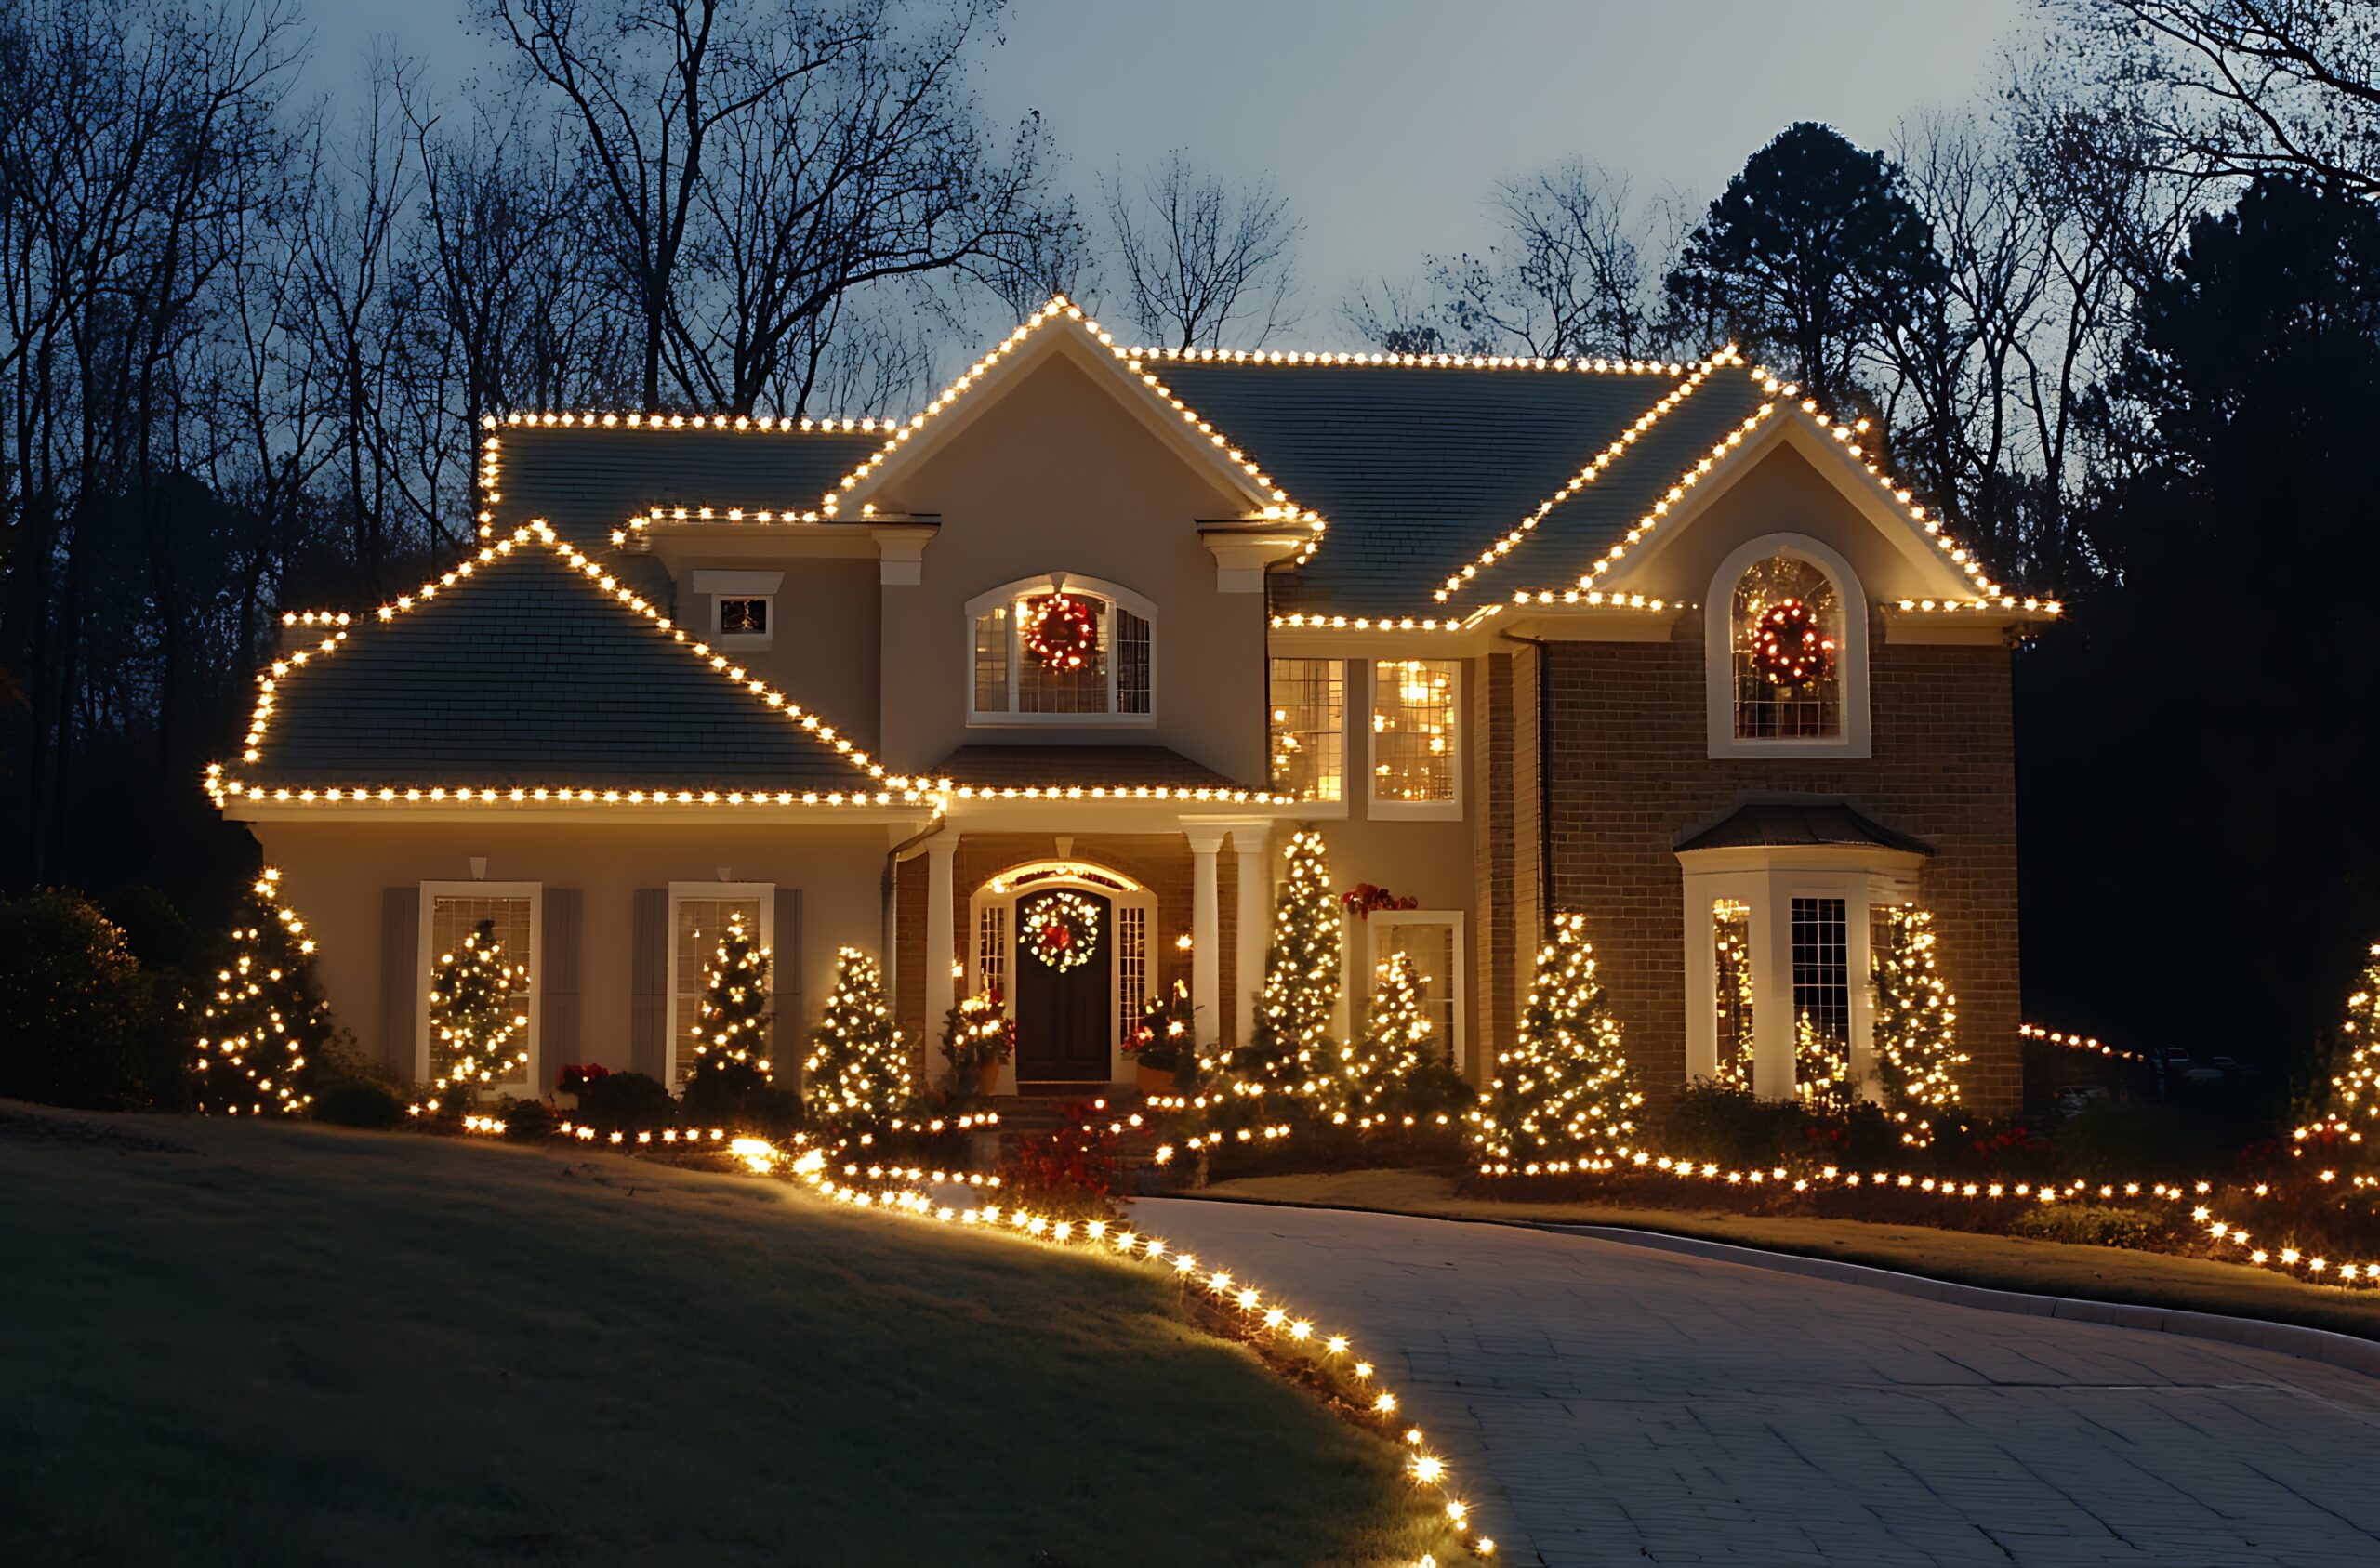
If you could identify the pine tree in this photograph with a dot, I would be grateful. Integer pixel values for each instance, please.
(265, 1016)
(858, 1067)
(1563, 1096)
(1292, 1049)
(1821, 1070)
(1916, 1033)
(479, 1037)
(731, 1030)
(1374, 1065)
(2348, 1112)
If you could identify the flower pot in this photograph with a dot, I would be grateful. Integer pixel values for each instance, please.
(1153, 1080)
(988, 1077)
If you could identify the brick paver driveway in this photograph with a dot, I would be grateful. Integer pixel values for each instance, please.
(1605, 1404)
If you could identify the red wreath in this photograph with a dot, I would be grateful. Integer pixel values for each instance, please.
(1063, 632)
(1790, 648)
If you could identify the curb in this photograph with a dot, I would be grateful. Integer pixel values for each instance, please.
(2256, 1334)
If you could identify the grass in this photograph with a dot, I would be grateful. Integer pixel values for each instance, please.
(235, 1343)
(2002, 1262)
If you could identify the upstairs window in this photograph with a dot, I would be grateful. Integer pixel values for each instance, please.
(1789, 652)
(1309, 729)
(743, 618)
(1413, 735)
(1061, 651)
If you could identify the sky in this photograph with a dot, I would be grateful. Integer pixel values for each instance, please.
(1387, 124)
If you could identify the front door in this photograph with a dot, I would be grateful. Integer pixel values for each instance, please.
(1064, 1022)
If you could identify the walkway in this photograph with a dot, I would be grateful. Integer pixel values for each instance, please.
(1605, 1404)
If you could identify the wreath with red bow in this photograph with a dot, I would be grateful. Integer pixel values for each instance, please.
(1789, 647)
(1065, 932)
(1062, 631)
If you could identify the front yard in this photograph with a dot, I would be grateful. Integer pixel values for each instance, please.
(260, 1343)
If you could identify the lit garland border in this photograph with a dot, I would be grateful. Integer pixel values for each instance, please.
(2091, 1043)
(1073, 909)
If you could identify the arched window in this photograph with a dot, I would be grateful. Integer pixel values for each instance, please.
(1063, 649)
(1787, 651)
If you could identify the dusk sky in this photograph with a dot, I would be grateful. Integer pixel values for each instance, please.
(1387, 124)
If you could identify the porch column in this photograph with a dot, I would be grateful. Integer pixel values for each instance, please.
(941, 943)
(1205, 918)
(1255, 921)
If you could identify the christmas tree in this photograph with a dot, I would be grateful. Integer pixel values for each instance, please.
(1821, 1070)
(731, 1030)
(1563, 1095)
(858, 1067)
(1292, 1049)
(2349, 1113)
(264, 1016)
(477, 1037)
(1374, 1065)
(1917, 1051)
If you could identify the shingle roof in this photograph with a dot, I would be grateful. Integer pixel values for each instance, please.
(529, 673)
(1784, 823)
(998, 767)
(588, 481)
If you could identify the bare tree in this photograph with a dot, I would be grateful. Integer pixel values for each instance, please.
(1573, 276)
(1203, 260)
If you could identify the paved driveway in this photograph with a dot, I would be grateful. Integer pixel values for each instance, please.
(1606, 1403)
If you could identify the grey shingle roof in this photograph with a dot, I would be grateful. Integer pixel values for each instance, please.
(529, 673)
(1780, 824)
(998, 767)
(1419, 469)
(586, 482)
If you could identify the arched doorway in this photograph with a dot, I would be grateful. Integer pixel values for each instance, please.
(1073, 1007)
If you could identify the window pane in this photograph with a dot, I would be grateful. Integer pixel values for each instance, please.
(1131, 966)
(1430, 949)
(991, 661)
(1765, 707)
(1413, 728)
(743, 615)
(1309, 728)
(1731, 946)
(451, 919)
(1132, 661)
(1822, 968)
(991, 950)
(700, 922)
(1040, 688)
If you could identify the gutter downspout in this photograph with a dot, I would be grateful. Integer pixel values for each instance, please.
(890, 910)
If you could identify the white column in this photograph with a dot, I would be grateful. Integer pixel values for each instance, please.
(941, 943)
(1859, 912)
(1255, 922)
(1772, 993)
(1206, 954)
(1701, 981)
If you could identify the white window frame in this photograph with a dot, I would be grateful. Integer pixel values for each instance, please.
(1006, 596)
(1458, 1043)
(679, 892)
(1353, 760)
(763, 585)
(426, 963)
(1719, 653)
(1448, 810)
(1123, 893)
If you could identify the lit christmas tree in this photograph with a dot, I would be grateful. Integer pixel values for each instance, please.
(731, 1028)
(265, 1015)
(1917, 1050)
(1821, 1070)
(2351, 1110)
(476, 1035)
(1563, 1096)
(1292, 1049)
(1376, 1063)
(858, 1067)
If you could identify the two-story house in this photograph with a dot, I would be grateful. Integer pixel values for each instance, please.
(1091, 632)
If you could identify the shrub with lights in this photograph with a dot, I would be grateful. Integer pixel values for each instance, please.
(1375, 1067)
(265, 1019)
(1290, 1049)
(2344, 1126)
(1563, 1095)
(1916, 1027)
(478, 1034)
(977, 1037)
(858, 1069)
(1166, 1040)
(733, 1077)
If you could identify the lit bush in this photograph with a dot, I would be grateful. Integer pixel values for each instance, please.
(81, 1023)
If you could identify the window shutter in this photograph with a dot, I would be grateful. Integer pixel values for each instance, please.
(790, 1027)
(648, 979)
(558, 986)
(402, 979)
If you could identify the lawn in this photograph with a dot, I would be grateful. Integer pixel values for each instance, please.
(235, 1343)
(2002, 1262)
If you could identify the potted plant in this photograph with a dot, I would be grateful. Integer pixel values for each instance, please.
(1164, 1047)
(977, 1038)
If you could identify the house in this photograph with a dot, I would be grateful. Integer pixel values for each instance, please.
(1072, 650)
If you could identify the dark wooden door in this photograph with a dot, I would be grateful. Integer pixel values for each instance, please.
(1064, 1018)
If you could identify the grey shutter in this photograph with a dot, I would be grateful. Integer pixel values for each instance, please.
(558, 986)
(789, 1028)
(648, 981)
(402, 980)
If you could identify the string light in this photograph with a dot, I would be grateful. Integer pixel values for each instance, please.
(858, 1065)
(473, 1025)
(1564, 1088)
(731, 1020)
(1291, 1042)
(251, 1044)
(1916, 1024)
(2354, 1101)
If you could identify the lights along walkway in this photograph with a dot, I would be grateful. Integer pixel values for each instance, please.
(1613, 1404)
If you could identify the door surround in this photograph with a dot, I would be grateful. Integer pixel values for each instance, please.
(992, 953)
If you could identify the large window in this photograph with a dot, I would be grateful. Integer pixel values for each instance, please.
(1415, 761)
(1060, 651)
(450, 912)
(1787, 641)
(1309, 729)
(1731, 963)
(698, 917)
(1432, 943)
(1822, 967)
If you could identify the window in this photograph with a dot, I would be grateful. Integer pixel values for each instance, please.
(449, 913)
(1413, 734)
(1112, 680)
(1731, 960)
(743, 613)
(1822, 968)
(743, 618)
(1787, 630)
(1309, 728)
(698, 916)
(1432, 942)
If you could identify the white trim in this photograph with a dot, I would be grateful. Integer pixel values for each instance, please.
(1120, 891)
(1458, 1042)
(1719, 653)
(426, 960)
(1117, 596)
(766, 892)
(1448, 810)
